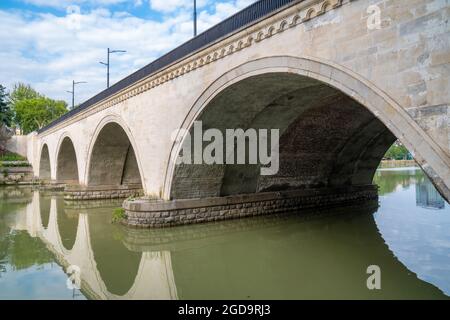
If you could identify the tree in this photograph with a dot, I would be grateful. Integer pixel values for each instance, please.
(6, 114)
(35, 113)
(397, 152)
(21, 92)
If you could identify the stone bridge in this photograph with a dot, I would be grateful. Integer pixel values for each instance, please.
(339, 86)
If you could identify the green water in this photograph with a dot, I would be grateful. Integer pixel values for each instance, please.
(321, 254)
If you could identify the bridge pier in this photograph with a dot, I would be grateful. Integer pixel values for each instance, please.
(167, 213)
(78, 192)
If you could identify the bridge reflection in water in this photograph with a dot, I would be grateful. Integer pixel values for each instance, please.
(428, 197)
(281, 257)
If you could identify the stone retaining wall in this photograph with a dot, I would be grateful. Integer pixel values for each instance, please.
(397, 163)
(158, 213)
(17, 175)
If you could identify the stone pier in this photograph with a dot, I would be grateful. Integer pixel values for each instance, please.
(77, 192)
(160, 213)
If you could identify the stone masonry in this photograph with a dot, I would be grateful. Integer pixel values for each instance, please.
(158, 214)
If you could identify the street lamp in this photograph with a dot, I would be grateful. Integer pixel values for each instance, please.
(107, 64)
(73, 91)
(195, 18)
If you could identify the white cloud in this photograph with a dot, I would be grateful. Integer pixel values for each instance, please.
(175, 5)
(48, 52)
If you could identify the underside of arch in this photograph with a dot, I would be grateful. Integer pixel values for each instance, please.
(327, 139)
(113, 160)
(66, 165)
(44, 164)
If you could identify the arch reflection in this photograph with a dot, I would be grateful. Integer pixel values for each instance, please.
(278, 256)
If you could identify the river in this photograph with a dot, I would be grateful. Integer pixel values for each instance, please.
(52, 249)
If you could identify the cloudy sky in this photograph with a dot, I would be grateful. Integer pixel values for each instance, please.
(47, 43)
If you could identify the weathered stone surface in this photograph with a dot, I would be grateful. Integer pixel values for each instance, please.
(149, 214)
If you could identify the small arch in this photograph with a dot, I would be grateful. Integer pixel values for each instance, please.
(113, 157)
(295, 20)
(249, 41)
(283, 25)
(325, 6)
(66, 162)
(270, 31)
(337, 3)
(259, 36)
(44, 164)
(309, 14)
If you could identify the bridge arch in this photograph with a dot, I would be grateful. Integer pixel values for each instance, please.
(66, 161)
(44, 163)
(113, 157)
(380, 120)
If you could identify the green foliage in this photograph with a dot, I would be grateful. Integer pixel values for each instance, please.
(21, 92)
(118, 215)
(33, 114)
(6, 114)
(11, 156)
(33, 110)
(26, 251)
(398, 152)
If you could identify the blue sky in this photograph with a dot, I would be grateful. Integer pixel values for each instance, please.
(49, 43)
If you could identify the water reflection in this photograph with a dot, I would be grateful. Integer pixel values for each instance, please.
(414, 230)
(390, 180)
(428, 197)
(322, 254)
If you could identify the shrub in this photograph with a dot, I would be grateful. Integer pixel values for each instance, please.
(118, 215)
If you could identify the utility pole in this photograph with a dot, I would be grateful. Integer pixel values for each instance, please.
(195, 18)
(73, 91)
(107, 64)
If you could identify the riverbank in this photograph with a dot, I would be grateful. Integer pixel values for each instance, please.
(16, 173)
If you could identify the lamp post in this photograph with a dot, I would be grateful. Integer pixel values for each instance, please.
(107, 64)
(73, 91)
(195, 18)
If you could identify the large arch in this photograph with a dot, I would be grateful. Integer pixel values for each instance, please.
(113, 159)
(334, 125)
(66, 162)
(44, 164)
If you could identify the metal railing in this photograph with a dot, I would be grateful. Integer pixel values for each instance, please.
(244, 18)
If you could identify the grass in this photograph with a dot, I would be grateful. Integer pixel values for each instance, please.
(118, 215)
(11, 156)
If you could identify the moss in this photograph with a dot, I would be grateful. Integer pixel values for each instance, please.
(118, 215)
